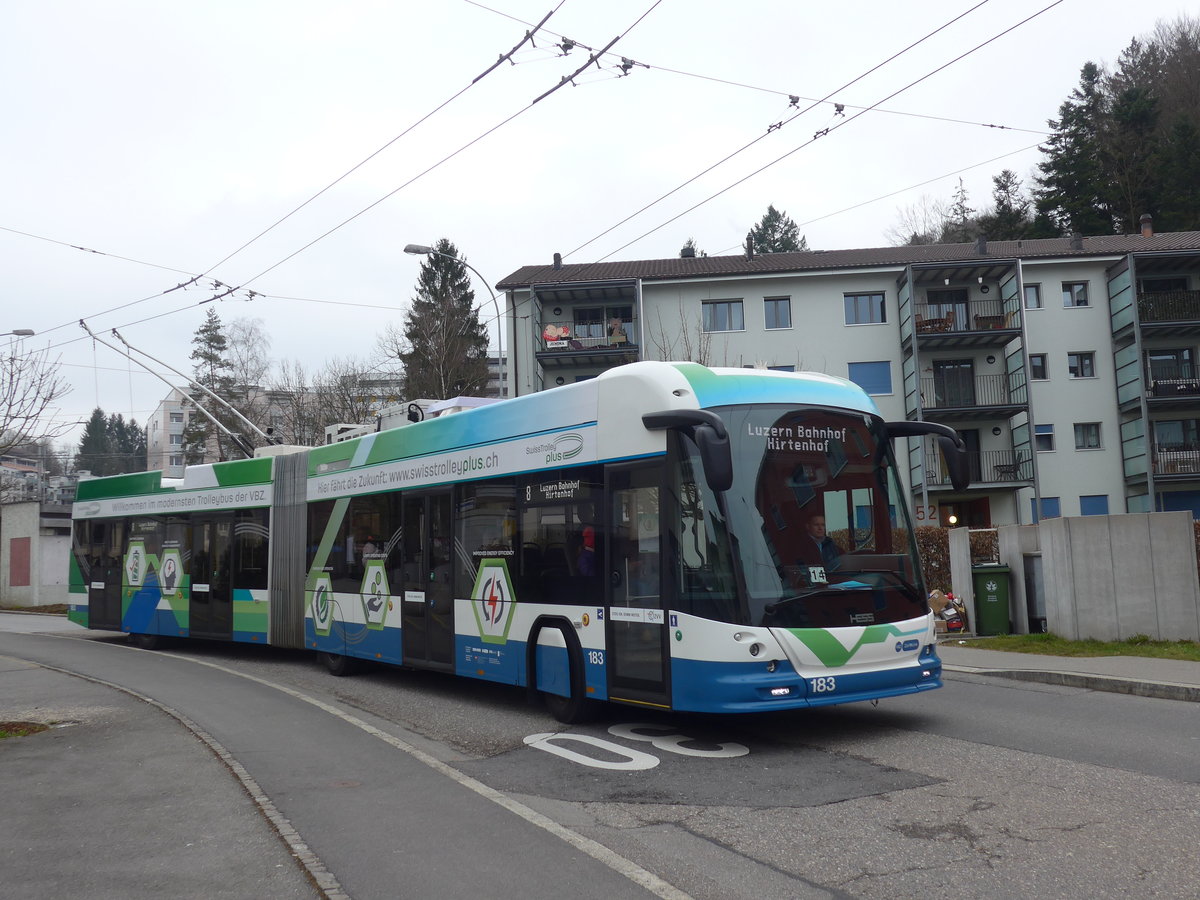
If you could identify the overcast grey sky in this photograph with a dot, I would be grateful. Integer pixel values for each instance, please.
(165, 136)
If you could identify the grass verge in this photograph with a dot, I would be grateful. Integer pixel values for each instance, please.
(20, 729)
(1053, 645)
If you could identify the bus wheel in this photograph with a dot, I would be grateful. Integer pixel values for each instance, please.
(337, 664)
(147, 641)
(577, 707)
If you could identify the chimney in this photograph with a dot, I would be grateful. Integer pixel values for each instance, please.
(749, 245)
(1147, 223)
(558, 260)
(688, 252)
(981, 245)
(1076, 240)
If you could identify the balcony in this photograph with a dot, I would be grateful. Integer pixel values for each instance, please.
(962, 397)
(568, 344)
(1172, 459)
(993, 468)
(1169, 312)
(968, 324)
(1172, 386)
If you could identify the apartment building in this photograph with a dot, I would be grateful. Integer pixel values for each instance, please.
(164, 435)
(1068, 365)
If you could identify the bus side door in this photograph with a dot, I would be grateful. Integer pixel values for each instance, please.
(427, 616)
(211, 607)
(106, 552)
(637, 628)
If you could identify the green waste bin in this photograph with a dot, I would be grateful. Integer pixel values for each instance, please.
(991, 599)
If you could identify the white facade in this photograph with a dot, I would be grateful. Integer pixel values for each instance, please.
(1088, 402)
(164, 435)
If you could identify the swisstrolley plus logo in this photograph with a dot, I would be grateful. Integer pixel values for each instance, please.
(563, 447)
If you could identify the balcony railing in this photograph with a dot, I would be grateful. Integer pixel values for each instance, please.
(954, 392)
(1172, 381)
(962, 317)
(986, 466)
(1169, 306)
(1176, 462)
(586, 335)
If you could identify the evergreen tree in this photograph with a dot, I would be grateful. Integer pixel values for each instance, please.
(960, 226)
(1178, 208)
(1009, 218)
(445, 352)
(1071, 190)
(95, 447)
(211, 368)
(777, 233)
(127, 443)
(111, 446)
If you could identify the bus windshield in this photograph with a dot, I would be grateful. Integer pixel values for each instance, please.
(818, 519)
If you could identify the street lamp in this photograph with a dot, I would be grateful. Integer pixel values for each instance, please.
(19, 332)
(422, 250)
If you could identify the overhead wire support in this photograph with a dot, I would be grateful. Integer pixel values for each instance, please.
(528, 38)
(778, 126)
(240, 442)
(571, 78)
(819, 134)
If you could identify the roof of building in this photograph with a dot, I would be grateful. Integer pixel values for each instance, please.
(815, 260)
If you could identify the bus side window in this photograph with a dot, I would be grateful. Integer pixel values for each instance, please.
(487, 529)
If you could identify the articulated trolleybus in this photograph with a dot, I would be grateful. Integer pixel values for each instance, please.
(657, 536)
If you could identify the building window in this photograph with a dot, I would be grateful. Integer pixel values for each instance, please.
(1177, 434)
(1037, 366)
(864, 309)
(1161, 285)
(1170, 362)
(778, 312)
(176, 462)
(176, 418)
(1043, 438)
(1075, 293)
(1093, 505)
(723, 315)
(1051, 508)
(872, 377)
(1081, 365)
(176, 440)
(1033, 296)
(1087, 435)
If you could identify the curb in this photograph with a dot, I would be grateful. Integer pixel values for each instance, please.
(1159, 690)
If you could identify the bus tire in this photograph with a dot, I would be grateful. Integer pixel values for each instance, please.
(577, 707)
(337, 664)
(147, 641)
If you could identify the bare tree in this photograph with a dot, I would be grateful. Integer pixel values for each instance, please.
(247, 351)
(31, 384)
(342, 392)
(677, 341)
(920, 223)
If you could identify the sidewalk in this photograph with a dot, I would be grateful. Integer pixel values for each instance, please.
(119, 800)
(1164, 679)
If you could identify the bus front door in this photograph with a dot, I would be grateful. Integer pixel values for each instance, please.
(106, 552)
(637, 627)
(210, 612)
(427, 618)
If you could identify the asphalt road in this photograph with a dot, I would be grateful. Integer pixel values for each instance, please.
(986, 788)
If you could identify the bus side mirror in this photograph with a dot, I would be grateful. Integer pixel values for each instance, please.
(716, 457)
(952, 446)
(712, 440)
